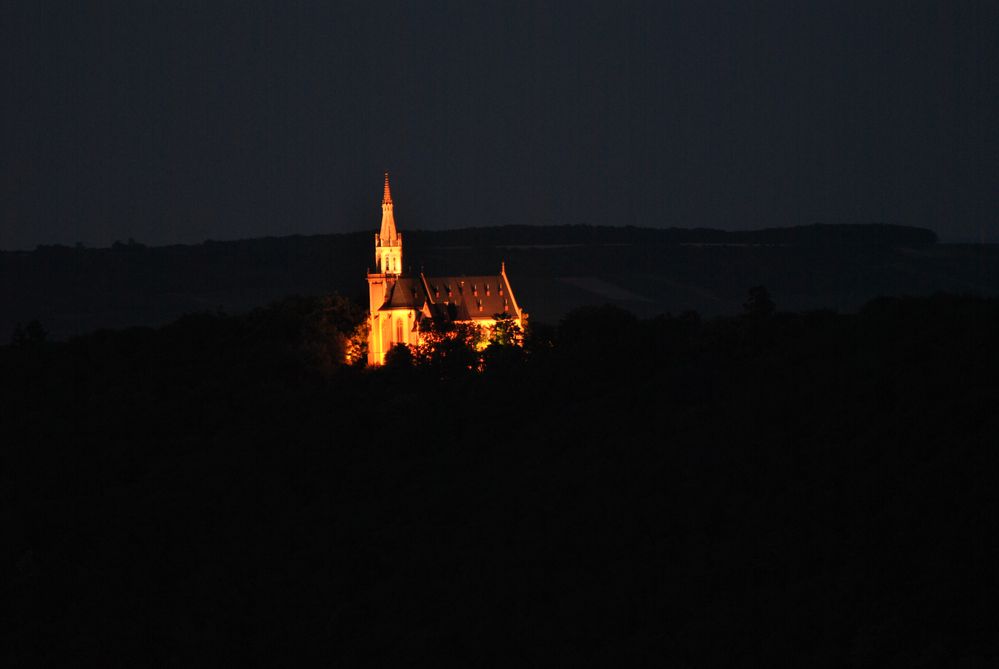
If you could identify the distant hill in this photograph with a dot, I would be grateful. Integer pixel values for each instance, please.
(553, 269)
(809, 235)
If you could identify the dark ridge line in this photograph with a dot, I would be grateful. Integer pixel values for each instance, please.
(804, 235)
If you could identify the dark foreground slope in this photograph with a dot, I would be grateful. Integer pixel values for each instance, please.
(797, 490)
(553, 269)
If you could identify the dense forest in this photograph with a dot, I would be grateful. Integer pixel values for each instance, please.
(794, 489)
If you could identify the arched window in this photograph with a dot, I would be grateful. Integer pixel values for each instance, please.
(398, 330)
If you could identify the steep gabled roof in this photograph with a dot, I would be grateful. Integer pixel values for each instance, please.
(471, 297)
(405, 293)
(456, 298)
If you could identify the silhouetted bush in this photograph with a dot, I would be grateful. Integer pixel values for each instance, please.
(399, 357)
(759, 304)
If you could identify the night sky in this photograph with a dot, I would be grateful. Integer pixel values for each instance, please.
(176, 121)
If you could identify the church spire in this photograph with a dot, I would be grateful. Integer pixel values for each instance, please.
(388, 233)
(388, 242)
(387, 196)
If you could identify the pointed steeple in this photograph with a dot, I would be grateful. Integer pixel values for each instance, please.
(387, 196)
(388, 233)
(388, 242)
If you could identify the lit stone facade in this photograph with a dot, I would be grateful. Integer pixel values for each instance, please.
(398, 304)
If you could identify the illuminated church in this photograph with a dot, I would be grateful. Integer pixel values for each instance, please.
(399, 304)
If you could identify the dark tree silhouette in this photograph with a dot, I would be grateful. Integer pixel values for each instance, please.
(449, 348)
(759, 304)
(32, 334)
(505, 331)
(327, 329)
(399, 357)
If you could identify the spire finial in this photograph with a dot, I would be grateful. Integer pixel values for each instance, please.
(387, 196)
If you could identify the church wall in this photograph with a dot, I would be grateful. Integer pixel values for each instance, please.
(389, 328)
(376, 297)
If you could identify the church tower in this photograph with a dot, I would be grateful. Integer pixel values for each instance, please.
(382, 282)
(388, 243)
